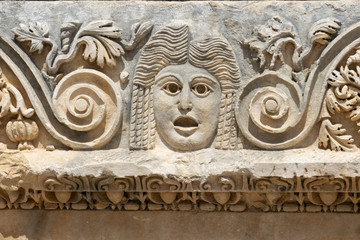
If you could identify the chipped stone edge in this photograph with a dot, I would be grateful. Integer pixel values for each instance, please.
(30, 182)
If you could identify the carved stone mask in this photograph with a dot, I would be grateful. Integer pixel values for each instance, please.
(186, 106)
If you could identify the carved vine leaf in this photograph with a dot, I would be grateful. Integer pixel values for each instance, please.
(97, 37)
(36, 33)
(332, 136)
(320, 34)
(138, 31)
(269, 42)
(353, 59)
(102, 40)
(324, 31)
(276, 41)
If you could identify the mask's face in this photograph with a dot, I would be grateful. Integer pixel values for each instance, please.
(186, 106)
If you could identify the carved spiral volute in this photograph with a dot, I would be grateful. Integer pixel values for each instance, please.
(88, 102)
(267, 108)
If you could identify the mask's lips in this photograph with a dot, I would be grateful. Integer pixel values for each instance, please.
(185, 125)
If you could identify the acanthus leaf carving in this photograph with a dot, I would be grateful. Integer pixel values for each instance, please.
(37, 33)
(342, 97)
(333, 136)
(305, 74)
(320, 35)
(97, 36)
(8, 91)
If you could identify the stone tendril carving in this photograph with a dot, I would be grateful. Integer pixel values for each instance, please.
(85, 101)
(98, 38)
(19, 130)
(233, 192)
(189, 91)
(270, 41)
(272, 110)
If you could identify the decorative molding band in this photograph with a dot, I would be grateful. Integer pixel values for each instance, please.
(228, 192)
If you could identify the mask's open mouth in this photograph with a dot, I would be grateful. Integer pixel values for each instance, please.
(185, 125)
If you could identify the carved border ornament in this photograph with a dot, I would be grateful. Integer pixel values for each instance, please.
(227, 192)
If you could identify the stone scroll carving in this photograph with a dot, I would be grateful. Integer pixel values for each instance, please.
(82, 108)
(278, 108)
(187, 92)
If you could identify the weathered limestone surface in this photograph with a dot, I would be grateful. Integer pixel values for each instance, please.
(68, 225)
(191, 106)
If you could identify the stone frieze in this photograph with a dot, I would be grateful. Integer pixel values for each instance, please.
(185, 91)
(212, 80)
(225, 192)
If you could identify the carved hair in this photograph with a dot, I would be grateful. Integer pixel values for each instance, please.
(170, 46)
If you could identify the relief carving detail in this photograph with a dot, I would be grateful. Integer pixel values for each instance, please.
(227, 192)
(187, 91)
(81, 109)
(177, 91)
(279, 108)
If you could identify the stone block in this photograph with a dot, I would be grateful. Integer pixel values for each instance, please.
(182, 107)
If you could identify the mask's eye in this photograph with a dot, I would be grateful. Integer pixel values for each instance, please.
(201, 89)
(171, 88)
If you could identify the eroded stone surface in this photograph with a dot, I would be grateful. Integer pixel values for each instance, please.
(203, 163)
(39, 225)
(212, 106)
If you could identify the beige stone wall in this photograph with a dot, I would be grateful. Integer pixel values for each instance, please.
(68, 225)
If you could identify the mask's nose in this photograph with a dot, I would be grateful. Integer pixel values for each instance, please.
(185, 101)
